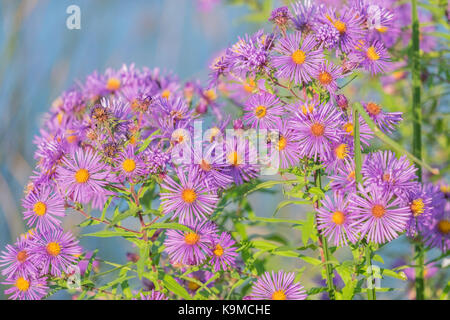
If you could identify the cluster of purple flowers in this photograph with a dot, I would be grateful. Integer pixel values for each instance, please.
(203, 243)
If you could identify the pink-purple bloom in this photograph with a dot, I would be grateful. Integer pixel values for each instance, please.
(277, 286)
(336, 222)
(298, 60)
(189, 199)
(43, 209)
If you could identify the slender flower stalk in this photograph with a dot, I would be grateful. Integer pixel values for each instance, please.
(358, 179)
(324, 244)
(417, 137)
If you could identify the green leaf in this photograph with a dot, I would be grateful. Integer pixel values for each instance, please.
(143, 259)
(169, 225)
(268, 184)
(285, 203)
(172, 285)
(308, 230)
(147, 141)
(111, 233)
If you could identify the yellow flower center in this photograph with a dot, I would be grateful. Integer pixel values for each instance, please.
(372, 54)
(82, 176)
(348, 127)
(129, 165)
(338, 217)
(378, 211)
(417, 207)
(340, 26)
(233, 158)
(165, 94)
(260, 111)
(325, 78)
(373, 108)
(218, 251)
(351, 176)
(444, 226)
(307, 109)
(113, 84)
(341, 151)
(22, 284)
(53, 248)
(39, 208)
(386, 177)
(189, 195)
(282, 143)
(193, 286)
(191, 238)
(22, 256)
(210, 94)
(382, 29)
(249, 85)
(317, 129)
(298, 56)
(279, 295)
(444, 188)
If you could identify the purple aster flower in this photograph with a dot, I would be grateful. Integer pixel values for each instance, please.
(189, 199)
(327, 74)
(49, 154)
(327, 36)
(154, 295)
(365, 133)
(298, 60)
(191, 248)
(198, 278)
(262, 110)
(382, 215)
(130, 165)
(429, 271)
(317, 131)
(224, 252)
(250, 54)
(277, 286)
(280, 16)
(384, 170)
(241, 158)
(214, 173)
(344, 178)
(54, 251)
(16, 259)
(82, 175)
(156, 160)
(421, 210)
(342, 152)
(336, 222)
(372, 57)
(305, 13)
(287, 146)
(349, 26)
(438, 233)
(41, 208)
(26, 288)
(384, 120)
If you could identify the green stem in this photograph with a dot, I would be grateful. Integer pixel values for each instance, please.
(417, 136)
(324, 246)
(371, 294)
(388, 141)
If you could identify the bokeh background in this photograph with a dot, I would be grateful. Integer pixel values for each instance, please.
(40, 58)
